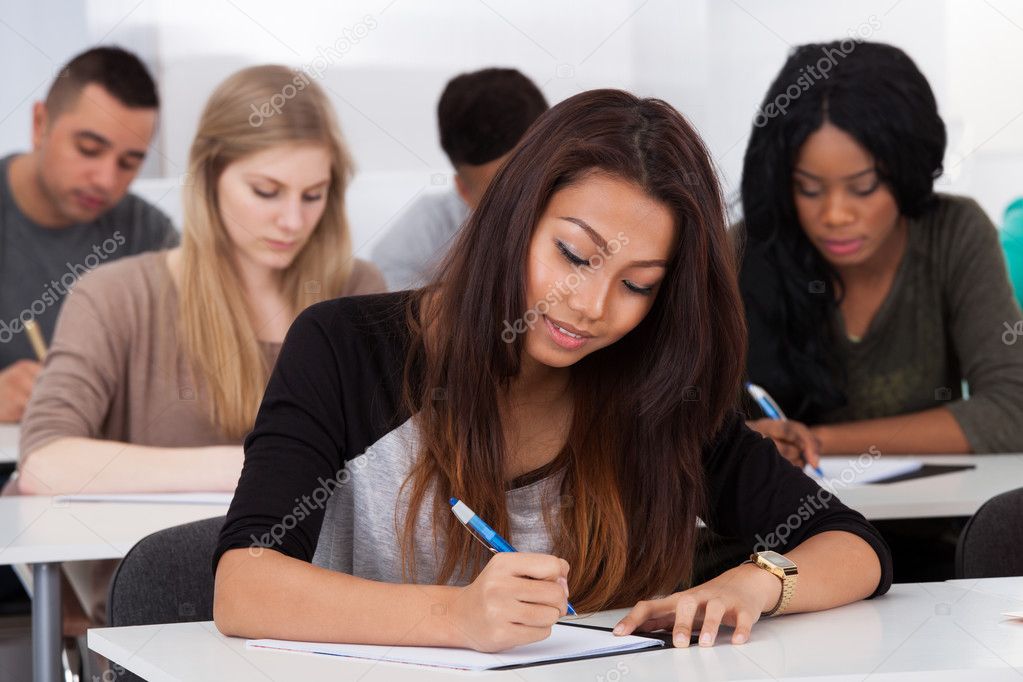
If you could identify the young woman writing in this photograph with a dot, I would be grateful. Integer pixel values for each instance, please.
(159, 361)
(571, 375)
(870, 298)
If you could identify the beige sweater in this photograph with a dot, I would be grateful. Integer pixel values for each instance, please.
(116, 371)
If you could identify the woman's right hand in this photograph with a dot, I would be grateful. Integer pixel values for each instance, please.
(515, 600)
(794, 440)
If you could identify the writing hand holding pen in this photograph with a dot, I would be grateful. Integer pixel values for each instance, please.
(795, 441)
(516, 599)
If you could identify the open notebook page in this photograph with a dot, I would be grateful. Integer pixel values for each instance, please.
(565, 643)
(852, 471)
(151, 498)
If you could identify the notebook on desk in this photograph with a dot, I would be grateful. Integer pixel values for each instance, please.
(850, 471)
(853, 471)
(568, 642)
(150, 498)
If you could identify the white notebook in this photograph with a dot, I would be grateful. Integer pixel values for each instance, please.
(566, 642)
(150, 498)
(852, 471)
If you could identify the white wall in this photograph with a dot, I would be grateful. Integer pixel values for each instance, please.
(711, 59)
(34, 43)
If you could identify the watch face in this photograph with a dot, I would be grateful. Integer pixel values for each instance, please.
(777, 560)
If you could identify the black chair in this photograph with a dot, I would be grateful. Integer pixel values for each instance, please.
(991, 544)
(166, 578)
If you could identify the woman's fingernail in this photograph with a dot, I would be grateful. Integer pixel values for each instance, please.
(619, 629)
(564, 583)
(706, 639)
(681, 641)
(740, 638)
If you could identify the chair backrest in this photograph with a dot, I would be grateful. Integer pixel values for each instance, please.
(991, 544)
(166, 577)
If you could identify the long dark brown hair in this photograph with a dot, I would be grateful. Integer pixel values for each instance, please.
(644, 407)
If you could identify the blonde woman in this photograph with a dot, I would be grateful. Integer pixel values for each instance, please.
(159, 361)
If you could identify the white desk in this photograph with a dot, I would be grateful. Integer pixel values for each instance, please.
(927, 631)
(44, 533)
(33, 530)
(9, 434)
(1010, 588)
(954, 494)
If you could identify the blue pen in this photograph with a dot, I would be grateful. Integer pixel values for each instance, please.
(484, 533)
(771, 409)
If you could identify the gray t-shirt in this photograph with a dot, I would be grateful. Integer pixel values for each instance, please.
(38, 264)
(365, 518)
(419, 239)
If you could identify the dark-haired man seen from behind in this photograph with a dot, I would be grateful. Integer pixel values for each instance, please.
(65, 206)
(482, 115)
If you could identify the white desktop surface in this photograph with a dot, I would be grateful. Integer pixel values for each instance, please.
(9, 434)
(927, 631)
(1010, 588)
(45, 532)
(959, 493)
(37, 529)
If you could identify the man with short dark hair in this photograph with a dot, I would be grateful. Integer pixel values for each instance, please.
(482, 116)
(65, 206)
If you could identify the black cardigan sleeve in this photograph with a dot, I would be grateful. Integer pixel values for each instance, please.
(755, 495)
(334, 391)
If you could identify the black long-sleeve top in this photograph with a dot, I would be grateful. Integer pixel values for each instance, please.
(335, 394)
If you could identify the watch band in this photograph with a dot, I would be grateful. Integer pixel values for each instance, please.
(787, 573)
(788, 589)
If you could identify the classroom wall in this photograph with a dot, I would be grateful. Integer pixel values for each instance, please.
(384, 63)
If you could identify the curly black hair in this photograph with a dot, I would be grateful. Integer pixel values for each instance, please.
(876, 94)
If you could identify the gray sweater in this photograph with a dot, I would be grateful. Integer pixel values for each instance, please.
(39, 264)
(943, 323)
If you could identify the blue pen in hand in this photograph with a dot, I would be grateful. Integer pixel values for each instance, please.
(770, 409)
(484, 533)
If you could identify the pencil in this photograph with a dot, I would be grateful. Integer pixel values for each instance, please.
(35, 337)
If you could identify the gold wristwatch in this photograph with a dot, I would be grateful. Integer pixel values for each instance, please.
(785, 569)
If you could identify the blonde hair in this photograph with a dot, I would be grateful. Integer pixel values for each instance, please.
(214, 320)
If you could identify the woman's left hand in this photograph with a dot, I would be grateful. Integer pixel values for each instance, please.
(737, 597)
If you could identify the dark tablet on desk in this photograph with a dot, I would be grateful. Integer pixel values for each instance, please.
(926, 471)
(663, 637)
